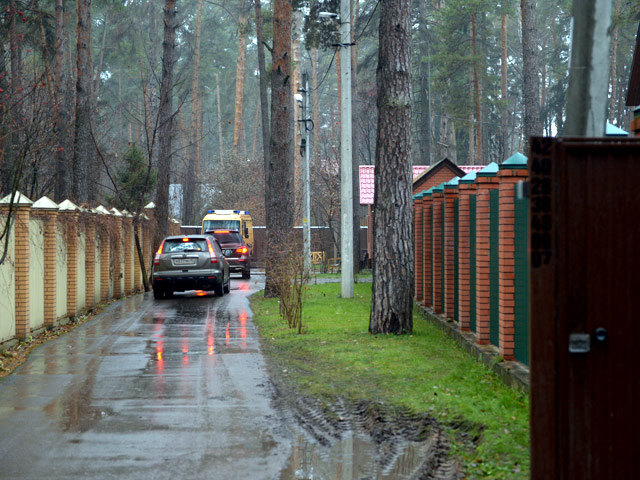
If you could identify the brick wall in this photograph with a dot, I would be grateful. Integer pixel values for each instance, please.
(77, 236)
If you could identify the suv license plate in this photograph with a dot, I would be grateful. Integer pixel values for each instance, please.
(183, 261)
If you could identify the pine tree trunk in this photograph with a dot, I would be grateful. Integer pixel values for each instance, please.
(614, 66)
(220, 142)
(96, 83)
(477, 90)
(279, 188)
(504, 111)
(392, 291)
(190, 179)
(165, 122)
(315, 104)
(238, 122)
(354, 147)
(61, 112)
(424, 116)
(264, 100)
(83, 144)
(530, 71)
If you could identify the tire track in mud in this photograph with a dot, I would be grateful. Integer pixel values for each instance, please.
(392, 432)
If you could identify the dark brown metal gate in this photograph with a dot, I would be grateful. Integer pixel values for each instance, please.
(585, 308)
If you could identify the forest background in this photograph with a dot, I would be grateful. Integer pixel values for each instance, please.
(80, 88)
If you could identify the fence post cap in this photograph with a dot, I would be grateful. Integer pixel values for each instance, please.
(68, 206)
(517, 161)
(45, 203)
(18, 199)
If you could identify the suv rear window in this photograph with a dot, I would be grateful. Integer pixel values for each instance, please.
(179, 245)
(228, 237)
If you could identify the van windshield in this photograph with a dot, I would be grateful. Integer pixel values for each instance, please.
(221, 225)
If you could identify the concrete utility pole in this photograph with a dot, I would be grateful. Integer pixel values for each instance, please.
(306, 202)
(346, 174)
(589, 69)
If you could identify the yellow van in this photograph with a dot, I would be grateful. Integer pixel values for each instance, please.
(239, 220)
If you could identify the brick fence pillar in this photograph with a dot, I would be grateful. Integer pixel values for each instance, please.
(117, 253)
(47, 210)
(467, 187)
(89, 217)
(103, 220)
(128, 253)
(70, 213)
(417, 249)
(437, 251)
(427, 250)
(486, 181)
(22, 212)
(137, 269)
(148, 243)
(451, 194)
(513, 170)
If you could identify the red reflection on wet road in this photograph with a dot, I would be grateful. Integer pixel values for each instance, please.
(227, 336)
(243, 286)
(211, 339)
(243, 324)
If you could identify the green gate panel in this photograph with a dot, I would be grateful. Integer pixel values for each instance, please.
(456, 226)
(472, 262)
(521, 280)
(494, 292)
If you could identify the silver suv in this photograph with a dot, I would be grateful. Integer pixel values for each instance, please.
(190, 262)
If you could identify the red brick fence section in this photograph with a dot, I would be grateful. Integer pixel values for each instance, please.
(470, 239)
(62, 260)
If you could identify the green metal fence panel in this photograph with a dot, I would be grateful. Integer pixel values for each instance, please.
(521, 280)
(443, 257)
(456, 226)
(433, 270)
(494, 279)
(472, 262)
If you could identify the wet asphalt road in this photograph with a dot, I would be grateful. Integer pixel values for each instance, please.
(148, 389)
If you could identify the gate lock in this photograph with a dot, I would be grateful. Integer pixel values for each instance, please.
(581, 342)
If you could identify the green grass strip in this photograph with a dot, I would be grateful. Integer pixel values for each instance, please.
(425, 372)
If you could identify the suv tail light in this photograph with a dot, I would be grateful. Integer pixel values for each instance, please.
(156, 260)
(212, 252)
(242, 250)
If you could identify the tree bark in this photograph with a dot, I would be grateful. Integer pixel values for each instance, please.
(191, 190)
(424, 115)
(264, 99)
(504, 110)
(392, 291)
(83, 150)
(61, 114)
(355, 163)
(477, 92)
(530, 71)
(165, 122)
(279, 200)
(220, 142)
(238, 119)
(315, 102)
(614, 65)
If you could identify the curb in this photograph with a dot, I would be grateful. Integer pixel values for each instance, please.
(512, 373)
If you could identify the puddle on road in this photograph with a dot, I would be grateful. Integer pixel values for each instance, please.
(352, 457)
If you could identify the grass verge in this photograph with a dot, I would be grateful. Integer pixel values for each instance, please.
(425, 372)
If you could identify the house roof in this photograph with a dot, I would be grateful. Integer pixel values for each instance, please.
(419, 171)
